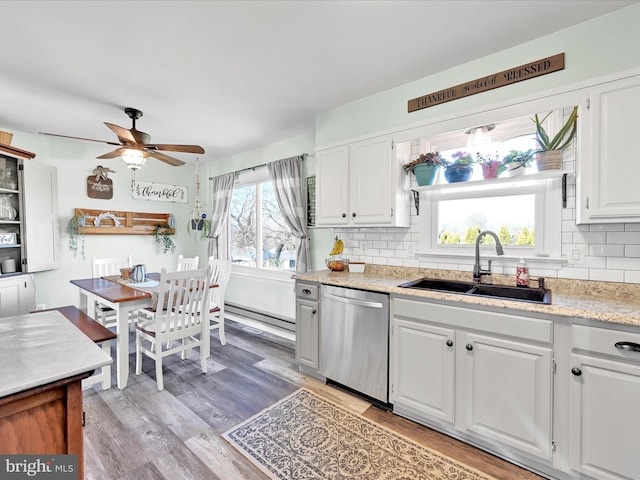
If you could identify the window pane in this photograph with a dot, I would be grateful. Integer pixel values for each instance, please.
(278, 243)
(512, 218)
(243, 226)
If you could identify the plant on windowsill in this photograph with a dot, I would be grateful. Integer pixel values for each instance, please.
(161, 235)
(490, 164)
(516, 161)
(460, 169)
(76, 239)
(549, 155)
(425, 167)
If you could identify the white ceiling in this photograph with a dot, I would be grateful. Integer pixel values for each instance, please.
(233, 75)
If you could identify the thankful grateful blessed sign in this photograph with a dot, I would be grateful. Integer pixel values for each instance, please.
(507, 77)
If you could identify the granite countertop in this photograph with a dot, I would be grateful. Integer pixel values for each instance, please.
(40, 348)
(604, 301)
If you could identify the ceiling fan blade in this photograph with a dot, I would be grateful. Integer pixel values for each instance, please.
(78, 138)
(176, 148)
(166, 159)
(116, 153)
(124, 134)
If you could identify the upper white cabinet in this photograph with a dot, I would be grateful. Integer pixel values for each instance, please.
(361, 184)
(608, 169)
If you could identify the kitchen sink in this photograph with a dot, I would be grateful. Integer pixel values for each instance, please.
(533, 295)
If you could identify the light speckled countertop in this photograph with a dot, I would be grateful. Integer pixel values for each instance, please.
(43, 347)
(604, 301)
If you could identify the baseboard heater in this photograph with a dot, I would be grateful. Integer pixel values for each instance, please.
(260, 317)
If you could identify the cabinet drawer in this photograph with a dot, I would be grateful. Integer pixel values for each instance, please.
(606, 341)
(307, 290)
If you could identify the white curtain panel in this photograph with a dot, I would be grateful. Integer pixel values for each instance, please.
(285, 175)
(221, 190)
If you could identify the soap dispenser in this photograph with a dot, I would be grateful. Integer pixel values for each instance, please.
(522, 274)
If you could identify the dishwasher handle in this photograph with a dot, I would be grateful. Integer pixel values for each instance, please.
(353, 301)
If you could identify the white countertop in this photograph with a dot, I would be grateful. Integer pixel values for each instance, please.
(40, 348)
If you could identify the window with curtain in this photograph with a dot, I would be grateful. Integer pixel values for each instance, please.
(259, 236)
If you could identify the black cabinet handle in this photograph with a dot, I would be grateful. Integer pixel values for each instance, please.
(313, 312)
(628, 346)
(449, 343)
(576, 371)
(306, 291)
(353, 214)
(344, 215)
(469, 347)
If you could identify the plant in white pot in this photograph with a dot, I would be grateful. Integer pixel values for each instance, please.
(549, 153)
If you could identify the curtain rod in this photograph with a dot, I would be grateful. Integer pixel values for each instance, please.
(303, 155)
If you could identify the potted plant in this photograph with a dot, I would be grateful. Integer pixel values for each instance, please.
(76, 239)
(460, 169)
(425, 167)
(549, 155)
(490, 164)
(161, 235)
(516, 161)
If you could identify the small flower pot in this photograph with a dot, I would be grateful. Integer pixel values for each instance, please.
(549, 160)
(425, 173)
(490, 169)
(458, 173)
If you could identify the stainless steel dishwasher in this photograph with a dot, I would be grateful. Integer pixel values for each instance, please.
(354, 340)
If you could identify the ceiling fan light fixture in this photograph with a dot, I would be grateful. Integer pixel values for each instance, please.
(134, 159)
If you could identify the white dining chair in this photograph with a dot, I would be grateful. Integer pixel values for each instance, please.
(180, 326)
(220, 272)
(186, 263)
(102, 267)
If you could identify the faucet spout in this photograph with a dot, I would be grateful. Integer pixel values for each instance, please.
(478, 271)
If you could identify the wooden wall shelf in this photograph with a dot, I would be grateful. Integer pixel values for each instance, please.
(131, 223)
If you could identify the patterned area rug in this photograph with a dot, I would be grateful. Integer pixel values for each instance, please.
(305, 436)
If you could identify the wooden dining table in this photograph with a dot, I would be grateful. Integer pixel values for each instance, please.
(123, 300)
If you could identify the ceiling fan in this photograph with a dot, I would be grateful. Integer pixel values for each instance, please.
(134, 146)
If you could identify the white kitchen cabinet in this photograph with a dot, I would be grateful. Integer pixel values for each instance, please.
(506, 392)
(478, 374)
(17, 295)
(604, 393)
(361, 184)
(608, 169)
(307, 325)
(423, 370)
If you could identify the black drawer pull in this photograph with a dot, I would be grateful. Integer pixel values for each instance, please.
(628, 346)
(468, 346)
(449, 343)
(576, 371)
(306, 291)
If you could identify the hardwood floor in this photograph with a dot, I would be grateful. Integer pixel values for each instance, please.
(140, 433)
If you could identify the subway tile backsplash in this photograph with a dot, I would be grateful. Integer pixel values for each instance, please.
(607, 252)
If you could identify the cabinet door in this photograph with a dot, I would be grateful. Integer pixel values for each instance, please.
(422, 369)
(370, 182)
(41, 216)
(605, 418)
(607, 173)
(307, 334)
(506, 392)
(332, 192)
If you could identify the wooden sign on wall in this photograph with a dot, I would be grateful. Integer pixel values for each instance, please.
(99, 187)
(497, 80)
(159, 192)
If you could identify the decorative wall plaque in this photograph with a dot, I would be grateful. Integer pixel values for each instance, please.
(99, 185)
(159, 192)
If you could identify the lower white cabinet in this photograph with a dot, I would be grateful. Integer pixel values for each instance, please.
(481, 374)
(307, 325)
(604, 409)
(17, 295)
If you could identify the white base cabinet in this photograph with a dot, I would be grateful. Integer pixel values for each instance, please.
(604, 396)
(307, 325)
(478, 374)
(17, 295)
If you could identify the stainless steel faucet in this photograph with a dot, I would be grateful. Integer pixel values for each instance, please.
(478, 271)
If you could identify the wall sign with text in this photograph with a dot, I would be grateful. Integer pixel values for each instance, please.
(496, 80)
(159, 192)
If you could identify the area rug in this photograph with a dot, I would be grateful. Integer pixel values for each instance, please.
(305, 436)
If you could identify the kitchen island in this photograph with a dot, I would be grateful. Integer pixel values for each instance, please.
(43, 359)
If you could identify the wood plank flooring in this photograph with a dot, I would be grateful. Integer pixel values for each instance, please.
(140, 433)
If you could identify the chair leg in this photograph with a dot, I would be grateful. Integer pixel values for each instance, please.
(203, 357)
(138, 355)
(159, 378)
(223, 340)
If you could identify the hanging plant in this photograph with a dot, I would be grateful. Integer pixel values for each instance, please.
(202, 225)
(161, 235)
(76, 239)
